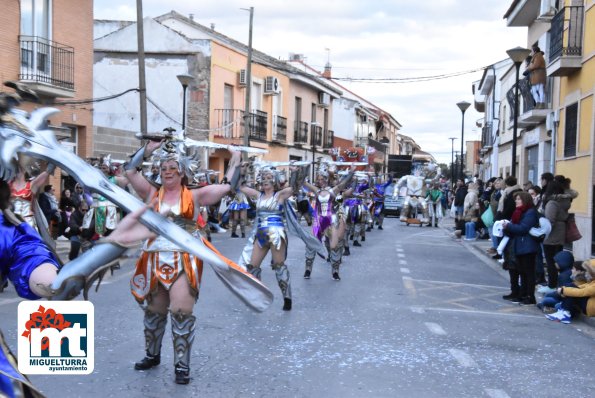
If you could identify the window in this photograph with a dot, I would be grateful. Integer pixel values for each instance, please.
(35, 23)
(298, 109)
(570, 130)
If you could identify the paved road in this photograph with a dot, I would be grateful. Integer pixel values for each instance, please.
(415, 314)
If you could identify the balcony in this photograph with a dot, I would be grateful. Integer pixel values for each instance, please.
(360, 142)
(230, 124)
(328, 139)
(566, 42)
(316, 138)
(529, 115)
(280, 129)
(377, 145)
(486, 137)
(47, 67)
(300, 132)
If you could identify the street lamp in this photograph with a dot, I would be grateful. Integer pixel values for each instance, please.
(463, 105)
(185, 79)
(313, 126)
(518, 56)
(452, 158)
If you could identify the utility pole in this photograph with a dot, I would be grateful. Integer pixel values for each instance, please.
(142, 86)
(248, 85)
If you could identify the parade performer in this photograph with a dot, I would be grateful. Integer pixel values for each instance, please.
(416, 190)
(378, 196)
(302, 202)
(24, 193)
(357, 213)
(328, 220)
(103, 214)
(434, 199)
(270, 229)
(167, 277)
(238, 209)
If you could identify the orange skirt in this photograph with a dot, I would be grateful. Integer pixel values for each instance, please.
(164, 268)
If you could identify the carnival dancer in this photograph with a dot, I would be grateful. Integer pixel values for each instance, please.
(434, 199)
(270, 229)
(24, 192)
(166, 277)
(328, 221)
(357, 214)
(238, 209)
(378, 196)
(303, 206)
(103, 214)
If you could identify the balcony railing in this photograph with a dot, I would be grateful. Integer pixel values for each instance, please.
(230, 124)
(300, 132)
(486, 135)
(45, 61)
(328, 139)
(280, 129)
(316, 138)
(573, 45)
(377, 145)
(360, 141)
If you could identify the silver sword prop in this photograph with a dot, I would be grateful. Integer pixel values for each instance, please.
(26, 136)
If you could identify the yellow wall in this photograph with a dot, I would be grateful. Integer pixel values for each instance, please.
(585, 124)
(579, 171)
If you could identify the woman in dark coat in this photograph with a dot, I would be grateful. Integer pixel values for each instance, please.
(525, 247)
(557, 204)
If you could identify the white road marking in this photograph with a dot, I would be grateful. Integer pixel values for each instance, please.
(482, 312)
(402, 262)
(460, 284)
(496, 393)
(399, 250)
(418, 310)
(462, 358)
(435, 328)
(400, 255)
(405, 270)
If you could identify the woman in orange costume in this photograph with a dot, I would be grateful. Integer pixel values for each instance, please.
(166, 277)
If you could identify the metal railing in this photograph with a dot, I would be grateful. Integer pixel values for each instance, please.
(230, 124)
(567, 41)
(328, 139)
(45, 61)
(280, 129)
(316, 138)
(486, 135)
(300, 132)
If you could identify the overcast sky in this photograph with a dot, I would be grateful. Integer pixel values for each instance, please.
(371, 39)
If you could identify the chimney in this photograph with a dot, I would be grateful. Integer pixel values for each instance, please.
(212, 26)
(191, 16)
(327, 71)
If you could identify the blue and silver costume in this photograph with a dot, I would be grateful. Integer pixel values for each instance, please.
(270, 226)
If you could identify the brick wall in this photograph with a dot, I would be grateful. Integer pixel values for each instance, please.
(119, 143)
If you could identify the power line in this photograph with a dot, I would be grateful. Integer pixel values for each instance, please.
(407, 79)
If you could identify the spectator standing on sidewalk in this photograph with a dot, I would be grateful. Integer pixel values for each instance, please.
(459, 202)
(471, 211)
(506, 204)
(76, 234)
(494, 198)
(545, 179)
(524, 246)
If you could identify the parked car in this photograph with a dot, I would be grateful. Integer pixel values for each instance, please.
(392, 206)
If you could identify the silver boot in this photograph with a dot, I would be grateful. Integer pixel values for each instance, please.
(182, 330)
(154, 329)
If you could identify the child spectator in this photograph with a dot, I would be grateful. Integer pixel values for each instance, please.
(577, 299)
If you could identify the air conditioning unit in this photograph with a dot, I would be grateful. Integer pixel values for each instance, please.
(242, 77)
(324, 99)
(548, 8)
(271, 85)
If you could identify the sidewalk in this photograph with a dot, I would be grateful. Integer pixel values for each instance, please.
(480, 247)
